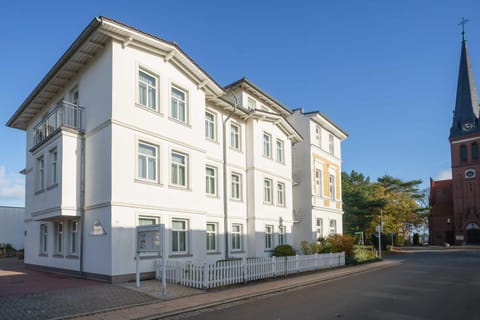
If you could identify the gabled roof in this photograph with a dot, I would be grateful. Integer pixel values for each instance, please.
(258, 93)
(92, 40)
(324, 121)
(279, 121)
(466, 105)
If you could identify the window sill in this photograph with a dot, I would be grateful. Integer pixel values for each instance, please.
(148, 109)
(236, 200)
(212, 196)
(148, 256)
(43, 255)
(235, 149)
(39, 191)
(179, 188)
(212, 140)
(237, 251)
(152, 183)
(180, 255)
(58, 256)
(281, 205)
(53, 186)
(73, 257)
(212, 253)
(268, 203)
(267, 157)
(183, 123)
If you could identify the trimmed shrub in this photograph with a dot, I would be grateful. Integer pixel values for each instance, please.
(305, 247)
(284, 250)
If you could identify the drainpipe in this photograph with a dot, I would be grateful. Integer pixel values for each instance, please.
(82, 194)
(225, 192)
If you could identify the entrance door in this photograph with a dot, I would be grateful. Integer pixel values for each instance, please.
(473, 233)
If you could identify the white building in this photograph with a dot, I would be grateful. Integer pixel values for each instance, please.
(126, 130)
(317, 191)
(12, 227)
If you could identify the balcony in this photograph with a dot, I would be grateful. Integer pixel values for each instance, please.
(65, 115)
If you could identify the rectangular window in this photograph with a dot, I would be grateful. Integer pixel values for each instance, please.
(282, 235)
(179, 236)
(267, 145)
(236, 186)
(211, 181)
(210, 126)
(280, 151)
(333, 226)
(147, 161)
(178, 107)
(73, 226)
(318, 136)
(331, 186)
(53, 167)
(281, 194)
(268, 237)
(318, 182)
(146, 220)
(236, 236)
(147, 90)
(319, 228)
(234, 136)
(43, 239)
(331, 145)
(267, 190)
(251, 104)
(211, 236)
(59, 237)
(179, 174)
(40, 174)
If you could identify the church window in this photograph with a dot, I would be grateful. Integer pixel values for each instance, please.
(463, 153)
(474, 151)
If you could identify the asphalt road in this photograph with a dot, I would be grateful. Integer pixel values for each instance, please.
(426, 285)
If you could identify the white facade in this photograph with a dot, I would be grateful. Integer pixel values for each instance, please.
(127, 130)
(11, 226)
(317, 191)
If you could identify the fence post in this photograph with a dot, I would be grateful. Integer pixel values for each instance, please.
(297, 268)
(244, 269)
(316, 260)
(205, 276)
(274, 266)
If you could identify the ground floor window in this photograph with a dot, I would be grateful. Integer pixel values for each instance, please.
(179, 236)
(282, 235)
(211, 236)
(236, 236)
(319, 228)
(333, 226)
(268, 237)
(59, 237)
(73, 235)
(43, 238)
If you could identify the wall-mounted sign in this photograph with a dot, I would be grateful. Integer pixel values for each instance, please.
(97, 229)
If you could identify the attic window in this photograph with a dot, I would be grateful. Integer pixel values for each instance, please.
(251, 104)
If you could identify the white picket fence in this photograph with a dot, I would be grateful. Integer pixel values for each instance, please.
(224, 273)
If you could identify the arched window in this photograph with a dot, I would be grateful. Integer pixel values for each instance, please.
(463, 152)
(474, 151)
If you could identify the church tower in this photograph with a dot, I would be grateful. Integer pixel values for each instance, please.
(464, 141)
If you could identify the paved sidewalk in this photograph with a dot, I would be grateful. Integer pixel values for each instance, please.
(212, 298)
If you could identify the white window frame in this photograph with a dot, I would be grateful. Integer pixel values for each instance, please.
(267, 145)
(236, 237)
(251, 104)
(148, 158)
(175, 112)
(59, 238)
(333, 226)
(267, 191)
(177, 233)
(331, 186)
(236, 186)
(280, 151)
(148, 105)
(210, 126)
(212, 237)
(235, 136)
(53, 155)
(281, 201)
(331, 144)
(282, 235)
(318, 182)
(73, 237)
(175, 169)
(44, 239)
(211, 181)
(145, 218)
(40, 178)
(318, 136)
(319, 226)
(269, 245)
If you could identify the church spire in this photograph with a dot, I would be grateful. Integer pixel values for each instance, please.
(465, 118)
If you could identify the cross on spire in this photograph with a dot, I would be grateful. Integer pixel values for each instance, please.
(462, 23)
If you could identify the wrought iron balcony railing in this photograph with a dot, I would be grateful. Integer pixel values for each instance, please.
(65, 114)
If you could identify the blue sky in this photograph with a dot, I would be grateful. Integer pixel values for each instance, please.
(385, 71)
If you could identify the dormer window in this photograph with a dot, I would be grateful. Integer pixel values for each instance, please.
(251, 104)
